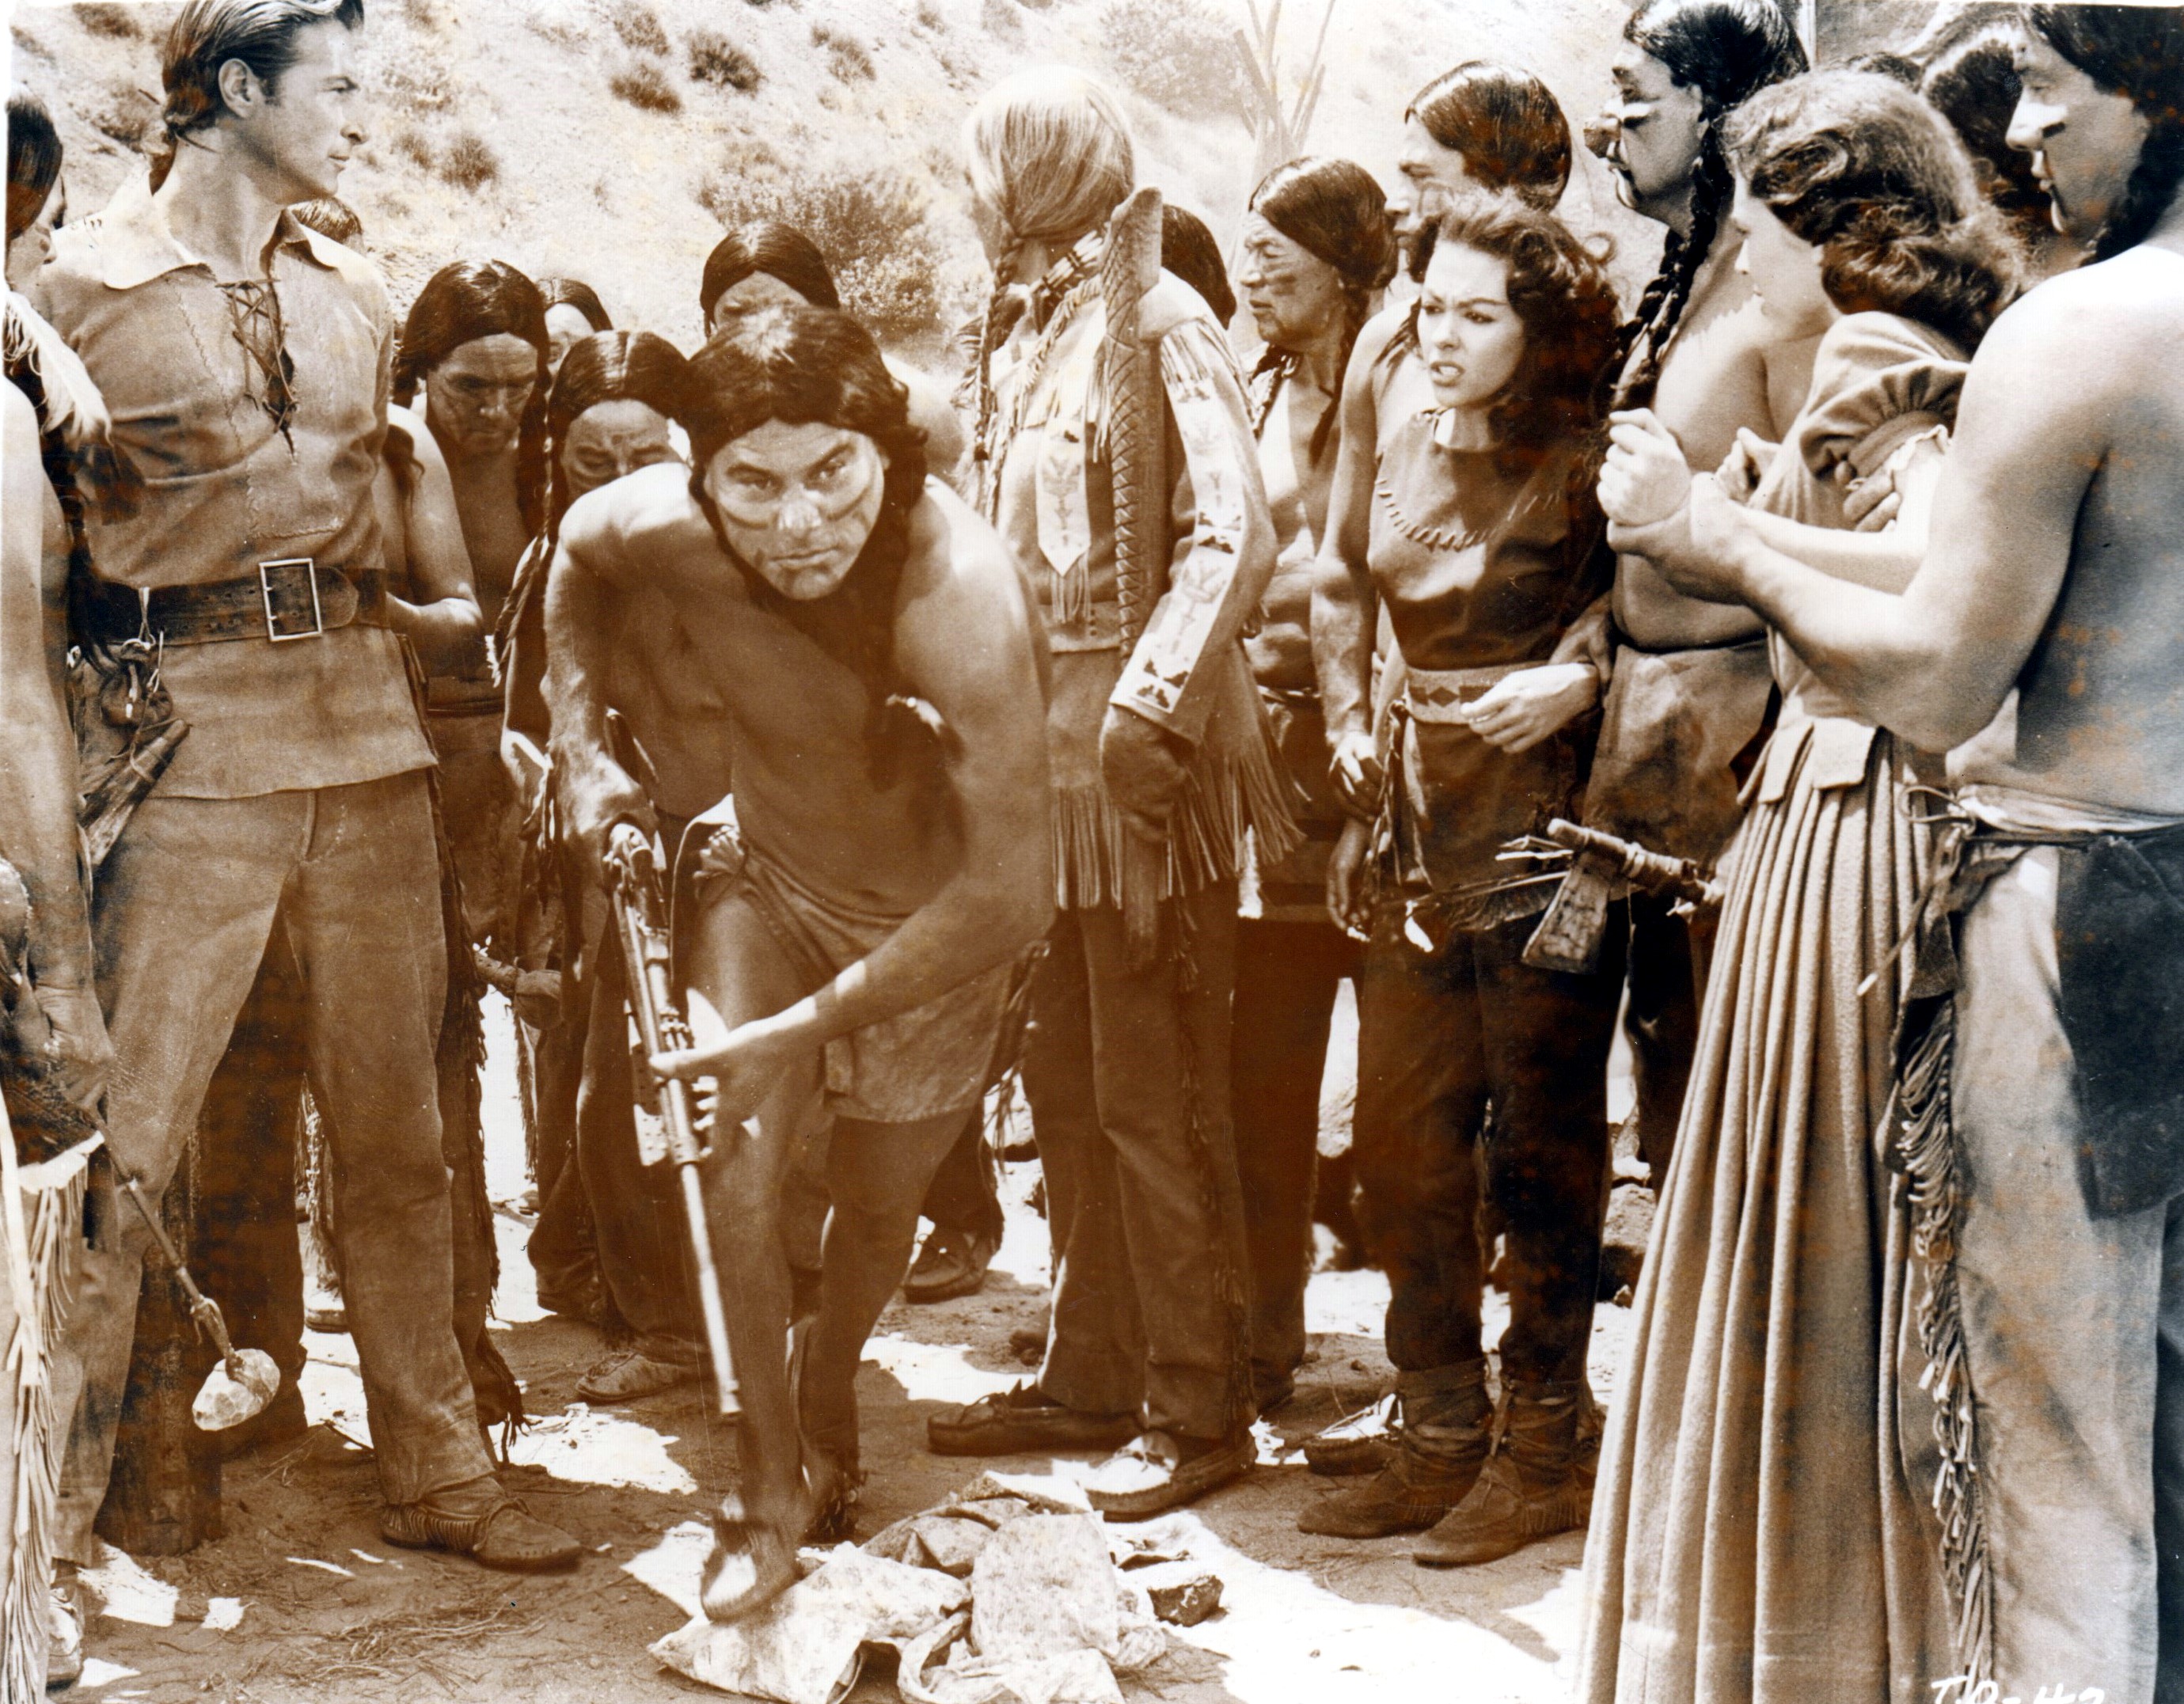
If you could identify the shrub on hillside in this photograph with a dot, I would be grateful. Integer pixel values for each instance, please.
(117, 21)
(414, 146)
(125, 113)
(563, 22)
(845, 55)
(639, 26)
(929, 16)
(417, 83)
(872, 225)
(1179, 54)
(470, 162)
(642, 85)
(714, 58)
(1001, 20)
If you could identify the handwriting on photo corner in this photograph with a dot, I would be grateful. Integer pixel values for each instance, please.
(1959, 1689)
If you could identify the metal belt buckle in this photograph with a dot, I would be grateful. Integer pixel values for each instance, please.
(279, 625)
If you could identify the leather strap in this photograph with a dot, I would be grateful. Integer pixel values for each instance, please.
(238, 609)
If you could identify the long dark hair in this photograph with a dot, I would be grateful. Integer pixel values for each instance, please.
(607, 367)
(2135, 51)
(459, 304)
(1189, 249)
(1972, 80)
(801, 367)
(768, 246)
(1857, 164)
(1562, 292)
(1505, 122)
(574, 292)
(34, 160)
(1335, 211)
(1728, 51)
(206, 34)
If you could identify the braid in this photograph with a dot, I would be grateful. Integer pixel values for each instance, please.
(1357, 308)
(1005, 305)
(1265, 383)
(1276, 367)
(1661, 308)
(2153, 186)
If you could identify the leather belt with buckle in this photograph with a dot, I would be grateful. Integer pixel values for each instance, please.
(289, 598)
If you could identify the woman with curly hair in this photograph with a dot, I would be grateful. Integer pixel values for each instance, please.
(1761, 1536)
(1473, 520)
(1319, 247)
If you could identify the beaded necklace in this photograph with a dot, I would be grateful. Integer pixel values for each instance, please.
(1058, 297)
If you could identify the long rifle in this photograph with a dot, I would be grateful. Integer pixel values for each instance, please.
(639, 900)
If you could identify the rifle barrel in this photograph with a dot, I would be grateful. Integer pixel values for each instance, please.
(633, 890)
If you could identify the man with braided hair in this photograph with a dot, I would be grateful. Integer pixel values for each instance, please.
(1688, 684)
(864, 895)
(1117, 456)
(245, 359)
(2042, 1096)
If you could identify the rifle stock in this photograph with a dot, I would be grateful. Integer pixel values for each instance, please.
(640, 911)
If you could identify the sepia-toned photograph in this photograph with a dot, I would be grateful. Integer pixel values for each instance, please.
(1092, 852)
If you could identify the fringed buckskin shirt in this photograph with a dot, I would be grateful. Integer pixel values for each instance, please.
(245, 458)
(1054, 504)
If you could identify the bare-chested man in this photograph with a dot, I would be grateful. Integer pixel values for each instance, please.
(2055, 567)
(881, 864)
(1690, 680)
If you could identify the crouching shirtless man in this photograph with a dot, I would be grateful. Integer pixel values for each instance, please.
(881, 864)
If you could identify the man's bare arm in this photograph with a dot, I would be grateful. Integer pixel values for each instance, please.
(1343, 601)
(1886, 562)
(1935, 662)
(443, 620)
(582, 622)
(38, 785)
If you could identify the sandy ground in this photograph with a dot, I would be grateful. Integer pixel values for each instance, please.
(302, 1600)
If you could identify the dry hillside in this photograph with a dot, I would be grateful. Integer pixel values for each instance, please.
(611, 139)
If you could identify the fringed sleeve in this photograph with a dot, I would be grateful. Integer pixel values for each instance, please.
(1218, 511)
